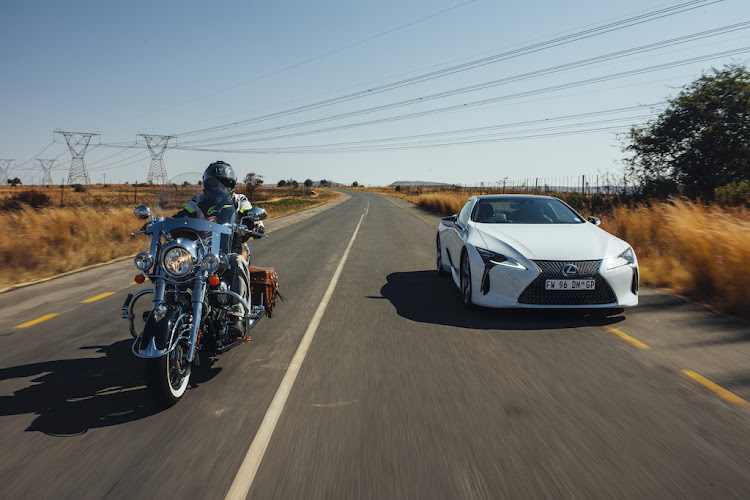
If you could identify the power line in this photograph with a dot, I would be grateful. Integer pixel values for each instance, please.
(542, 121)
(325, 54)
(494, 83)
(507, 97)
(580, 35)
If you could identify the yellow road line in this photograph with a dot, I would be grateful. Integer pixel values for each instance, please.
(723, 393)
(627, 338)
(100, 296)
(38, 320)
(415, 215)
(133, 283)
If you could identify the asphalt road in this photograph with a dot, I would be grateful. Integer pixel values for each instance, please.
(402, 393)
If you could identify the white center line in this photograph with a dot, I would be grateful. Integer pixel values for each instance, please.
(245, 476)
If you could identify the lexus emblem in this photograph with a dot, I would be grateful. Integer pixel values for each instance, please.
(569, 270)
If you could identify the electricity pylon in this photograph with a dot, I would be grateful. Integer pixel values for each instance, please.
(78, 143)
(4, 166)
(157, 145)
(47, 167)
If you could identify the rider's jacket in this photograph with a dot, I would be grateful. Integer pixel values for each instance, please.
(201, 207)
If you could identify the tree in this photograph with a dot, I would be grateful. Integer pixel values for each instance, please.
(323, 183)
(252, 181)
(14, 182)
(355, 184)
(292, 183)
(281, 183)
(700, 141)
(309, 183)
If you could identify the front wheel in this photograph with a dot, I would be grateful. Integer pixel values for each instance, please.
(168, 375)
(466, 281)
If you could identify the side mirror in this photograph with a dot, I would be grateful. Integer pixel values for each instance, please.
(256, 213)
(595, 220)
(142, 212)
(452, 219)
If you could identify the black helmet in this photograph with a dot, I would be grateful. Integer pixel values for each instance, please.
(222, 172)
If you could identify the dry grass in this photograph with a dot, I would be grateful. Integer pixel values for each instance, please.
(695, 251)
(40, 243)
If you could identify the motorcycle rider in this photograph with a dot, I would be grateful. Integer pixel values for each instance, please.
(202, 206)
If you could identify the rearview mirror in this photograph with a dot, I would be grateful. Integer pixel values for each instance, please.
(142, 212)
(256, 213)
(595, 220)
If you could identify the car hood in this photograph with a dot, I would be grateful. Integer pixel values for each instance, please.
(552, 241)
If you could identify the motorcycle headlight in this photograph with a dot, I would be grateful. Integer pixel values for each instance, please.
(144, 261)
(210, 262)
(625, 258)
(490, 257)
(178, 261)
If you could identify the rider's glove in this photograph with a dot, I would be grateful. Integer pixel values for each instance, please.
(259, 227)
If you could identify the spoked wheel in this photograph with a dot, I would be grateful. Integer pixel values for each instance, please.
(466, 281)
(440, 269)
(168, 375)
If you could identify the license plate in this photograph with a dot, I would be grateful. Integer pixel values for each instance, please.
(569, 284)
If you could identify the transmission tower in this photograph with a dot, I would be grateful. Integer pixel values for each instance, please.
(157, 145)
(47, 167)
(4, 167)
(78, 143)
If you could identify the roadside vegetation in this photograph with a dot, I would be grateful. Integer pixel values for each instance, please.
(38, 239)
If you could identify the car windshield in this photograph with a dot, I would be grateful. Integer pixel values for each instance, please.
(523, 210)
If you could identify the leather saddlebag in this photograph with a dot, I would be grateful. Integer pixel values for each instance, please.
(264, 287)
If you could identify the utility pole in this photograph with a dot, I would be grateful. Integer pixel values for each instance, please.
(78, 143)
(47, 167)
(157, 145)
(4, 167)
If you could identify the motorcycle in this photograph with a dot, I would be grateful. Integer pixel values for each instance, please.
(187, 260)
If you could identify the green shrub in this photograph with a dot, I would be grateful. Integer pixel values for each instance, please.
(734, 195)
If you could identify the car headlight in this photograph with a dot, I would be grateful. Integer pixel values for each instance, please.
(178, 261)
(144, 261)
(625, 258)
(498, 259)
(210, 262)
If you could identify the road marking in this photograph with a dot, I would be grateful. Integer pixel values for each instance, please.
(415, 215)
(100, 296)
(245, 476)
(628, 338)
(38, 320)
(723, 393)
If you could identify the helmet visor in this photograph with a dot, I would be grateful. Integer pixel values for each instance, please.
(216, 192)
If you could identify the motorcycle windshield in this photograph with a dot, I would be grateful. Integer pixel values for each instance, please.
(189, 209)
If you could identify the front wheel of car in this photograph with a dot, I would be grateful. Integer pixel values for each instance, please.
(466, 281)
(440, 268)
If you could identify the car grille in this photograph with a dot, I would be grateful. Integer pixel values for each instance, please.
(552, 269)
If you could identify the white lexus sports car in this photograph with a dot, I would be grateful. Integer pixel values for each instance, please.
(534, 251)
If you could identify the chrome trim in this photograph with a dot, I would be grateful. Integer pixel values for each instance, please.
(150, 351)
(199, 293)
(127, 312)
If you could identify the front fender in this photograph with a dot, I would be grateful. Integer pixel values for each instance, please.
(154, 341)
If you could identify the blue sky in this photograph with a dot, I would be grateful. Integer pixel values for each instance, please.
(178, 68)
